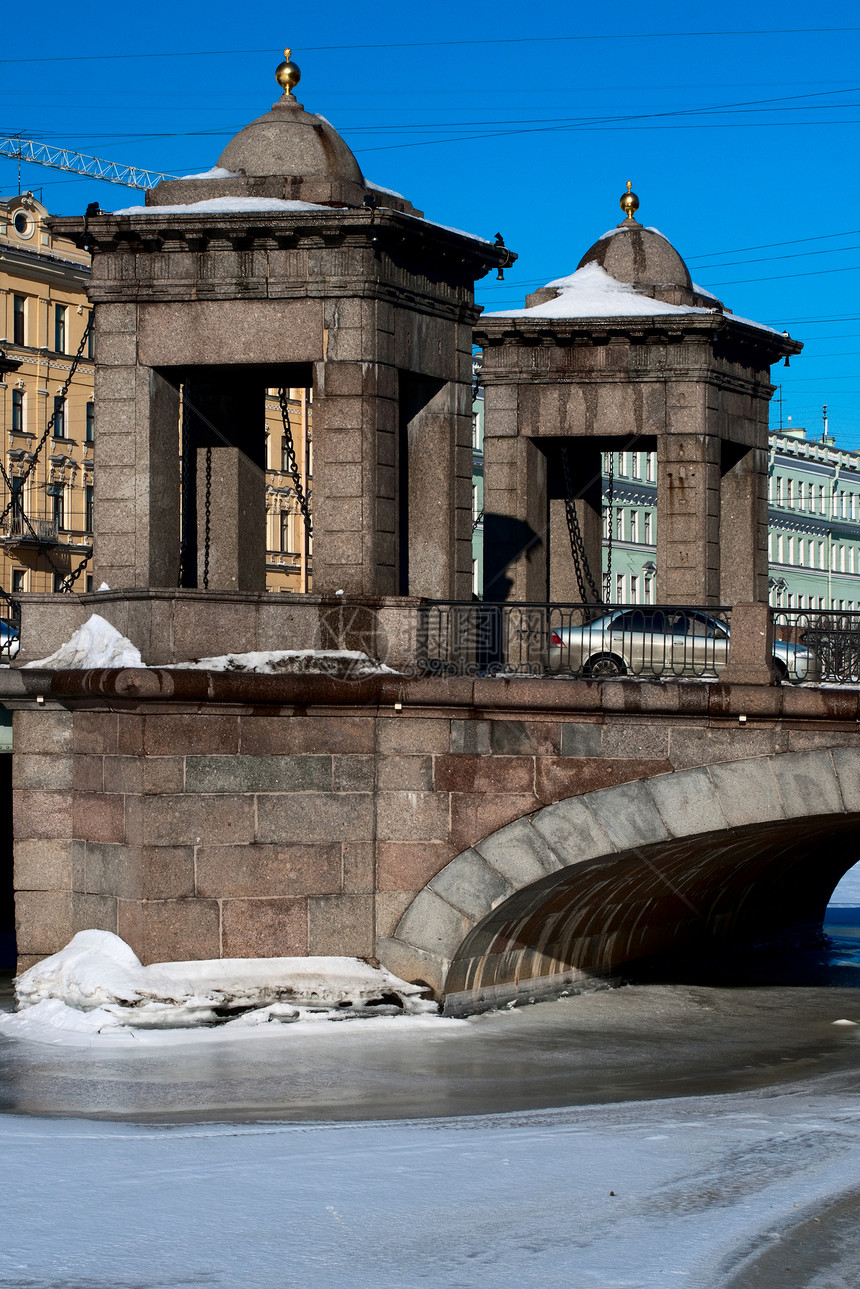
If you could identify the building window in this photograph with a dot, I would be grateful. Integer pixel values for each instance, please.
(289, 526)
(789, 493)
(18, 410)
(59, 578)
(634, 528)
(619, 588)
(822, 558)
(59, 430)
(634, 589)
(88, 508)
(19, 314)
(779, 490)
(60, 328)
(58, 510)
(822, 505)
(19, 580)
(801, 495)
(90, 423)
(619, 523)
(649, 528)
(649, 589)
(650, 466)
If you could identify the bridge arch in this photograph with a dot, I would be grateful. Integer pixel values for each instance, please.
(710, 855)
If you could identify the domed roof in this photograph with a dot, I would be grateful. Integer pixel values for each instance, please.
(289, 141)
(642, 257)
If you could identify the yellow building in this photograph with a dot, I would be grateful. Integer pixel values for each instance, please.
(289, 556)
(46, 485)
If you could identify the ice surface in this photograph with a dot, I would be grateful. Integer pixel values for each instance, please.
(847, 893)
(224, 205)
(97, 984)
(95, 644)
(687, 1193)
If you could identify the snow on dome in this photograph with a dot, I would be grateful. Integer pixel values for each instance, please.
(95, 644)
(217, 172)
(591, 292)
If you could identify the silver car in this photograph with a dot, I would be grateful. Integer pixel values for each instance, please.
(661, 642)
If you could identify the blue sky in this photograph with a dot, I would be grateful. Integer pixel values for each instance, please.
(740, 142)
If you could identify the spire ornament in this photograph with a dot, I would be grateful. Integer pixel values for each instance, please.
(629, 202)
(288, 74)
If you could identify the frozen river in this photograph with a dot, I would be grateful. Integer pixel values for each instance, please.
(703, 1134)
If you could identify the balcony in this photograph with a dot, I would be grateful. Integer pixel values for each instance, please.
(22, 531)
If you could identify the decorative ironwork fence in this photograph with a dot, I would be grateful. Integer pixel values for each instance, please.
(818, 644)
(10, 626)
(483, 639)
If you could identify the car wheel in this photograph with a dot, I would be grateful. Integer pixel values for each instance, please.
(603, 666)
(780, 671)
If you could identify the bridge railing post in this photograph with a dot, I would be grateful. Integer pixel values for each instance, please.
(750, 646)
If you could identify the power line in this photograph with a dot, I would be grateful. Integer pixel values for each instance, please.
(442, 44)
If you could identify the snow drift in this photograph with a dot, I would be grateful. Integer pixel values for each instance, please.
(97, 984)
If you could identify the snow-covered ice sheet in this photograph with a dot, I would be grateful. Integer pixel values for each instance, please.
(644, 1195)
(98, 986)
(95, 644)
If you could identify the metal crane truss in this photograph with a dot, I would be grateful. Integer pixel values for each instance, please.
(78, 163)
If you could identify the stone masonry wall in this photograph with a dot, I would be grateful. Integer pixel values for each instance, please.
(243, 831)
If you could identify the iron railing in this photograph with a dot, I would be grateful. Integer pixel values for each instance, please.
(32, 527)
(818, 644)
(456, 638)
(10, 626)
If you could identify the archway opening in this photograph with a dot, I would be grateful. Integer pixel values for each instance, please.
(668, 901)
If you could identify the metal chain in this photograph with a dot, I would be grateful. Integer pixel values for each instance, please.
(59, 402)
(283, 399)
(584, 577)
(208, 519)
(69, 581)
(610, 501)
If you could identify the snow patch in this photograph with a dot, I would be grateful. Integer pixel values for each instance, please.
(217, 172)
(95, 644)
(591, 292)
(389, 192)
(340, 663)
(223, 205)
(97, 985)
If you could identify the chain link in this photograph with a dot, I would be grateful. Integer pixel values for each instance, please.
(208, 519)
(610, 502)
(584, 577)
(283, 399)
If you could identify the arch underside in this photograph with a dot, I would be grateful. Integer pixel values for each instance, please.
(681, 896)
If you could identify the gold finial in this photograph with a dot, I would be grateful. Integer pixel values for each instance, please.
(629, 202)
(288, 74)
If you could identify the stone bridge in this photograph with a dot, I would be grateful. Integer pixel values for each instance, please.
(486, 836)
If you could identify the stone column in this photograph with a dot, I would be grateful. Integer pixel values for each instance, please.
(515, 519)
(231, 547)
(136, 510)
(438, 487)
(688, 519)
(354, 507)
(743, 528)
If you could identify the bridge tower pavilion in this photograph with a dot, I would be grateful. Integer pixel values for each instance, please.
(627, 354)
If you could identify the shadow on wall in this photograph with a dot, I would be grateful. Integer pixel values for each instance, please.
(506, 542)
(680, 897)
